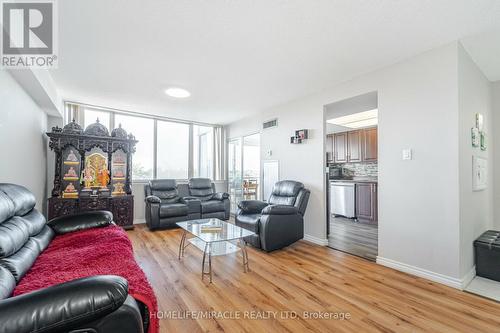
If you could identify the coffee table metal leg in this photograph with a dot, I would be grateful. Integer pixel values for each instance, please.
(207, 251)
(181, 245)
(210, 261)
(244, 254)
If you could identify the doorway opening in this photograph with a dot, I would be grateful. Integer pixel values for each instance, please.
(244, 169)
(351, 150)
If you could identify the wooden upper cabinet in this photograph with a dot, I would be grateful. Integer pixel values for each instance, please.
(370, 152)
(329, 148)
(354, 146)
(340, 146)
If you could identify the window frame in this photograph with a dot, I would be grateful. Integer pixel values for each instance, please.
(79, 116)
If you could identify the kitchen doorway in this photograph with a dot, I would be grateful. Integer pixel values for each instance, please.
(351, 155)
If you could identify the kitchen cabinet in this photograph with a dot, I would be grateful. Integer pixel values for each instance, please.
(329, 148)
(340, 147)
(354, 146)
(369, 144)
(366, 202)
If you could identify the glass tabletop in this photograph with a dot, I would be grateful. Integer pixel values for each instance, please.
(214, 230)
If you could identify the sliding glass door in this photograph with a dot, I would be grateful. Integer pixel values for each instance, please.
(251, 167)
(244, 169)
(235, 177)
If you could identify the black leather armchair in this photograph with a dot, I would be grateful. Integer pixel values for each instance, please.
(213, 204)
(165, 207)
(278, 222)
(94, 304)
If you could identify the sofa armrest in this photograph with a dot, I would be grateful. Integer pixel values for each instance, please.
(80, 221)
(252, 206)
(220, 196)
(63, 307)
(280, 210)
(153, 199)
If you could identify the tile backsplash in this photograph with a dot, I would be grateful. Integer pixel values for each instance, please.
(359, 169)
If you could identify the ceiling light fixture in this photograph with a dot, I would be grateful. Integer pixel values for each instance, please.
(357, 120)
(177, 92)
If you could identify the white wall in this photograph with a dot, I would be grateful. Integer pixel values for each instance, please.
(418, 199)
(22, 140)
(476, 208)
(495, 138)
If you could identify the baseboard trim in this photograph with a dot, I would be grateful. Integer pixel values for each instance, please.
(467, 279)
(139, 221)
(426, 274)
(316, 240)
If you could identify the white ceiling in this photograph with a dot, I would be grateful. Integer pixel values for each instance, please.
(240, 57)
(485, 50)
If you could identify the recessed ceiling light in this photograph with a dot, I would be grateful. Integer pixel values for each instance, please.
(357, 120)
(177, 92)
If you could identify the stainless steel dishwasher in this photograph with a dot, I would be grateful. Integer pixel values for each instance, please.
(342, 199)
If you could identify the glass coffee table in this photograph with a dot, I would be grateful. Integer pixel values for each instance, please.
(215, 238)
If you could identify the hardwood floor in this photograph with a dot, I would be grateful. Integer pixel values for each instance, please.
(301, 277)
(357, 238)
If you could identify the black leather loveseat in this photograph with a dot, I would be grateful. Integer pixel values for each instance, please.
(278, 222)
(168, 202)
(93, 304)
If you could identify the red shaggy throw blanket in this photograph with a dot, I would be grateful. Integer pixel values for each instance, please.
(99, 251)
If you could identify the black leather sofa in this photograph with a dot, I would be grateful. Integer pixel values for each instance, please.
(94, 304)
(278, 222)
(168, 202)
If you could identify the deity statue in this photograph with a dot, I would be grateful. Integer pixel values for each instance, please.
(72, 157)
(103, 176)
(70, 188)
(87, 177)
(119, 189)
(119, 173)
(71, 173)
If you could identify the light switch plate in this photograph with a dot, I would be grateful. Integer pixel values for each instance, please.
(407, 154)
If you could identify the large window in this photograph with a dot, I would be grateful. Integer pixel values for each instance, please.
(173, 150)
(203, 151)
(143, 130)
(90, 116)
(166, 149)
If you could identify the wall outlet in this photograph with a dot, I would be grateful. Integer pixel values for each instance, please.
(407, 154)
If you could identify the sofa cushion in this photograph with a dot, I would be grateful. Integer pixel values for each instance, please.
(23, 199)
(249, 222)
(21, 261)
(35, 222)
(14, 233)
(171, 210)
(212, 206)
(7, 209)
(7, 283)
(201, 188)
(285, 192)
(165, 189)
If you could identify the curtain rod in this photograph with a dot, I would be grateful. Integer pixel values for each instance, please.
(142, 114)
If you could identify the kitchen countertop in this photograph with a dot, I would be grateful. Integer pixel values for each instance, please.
(354, 180)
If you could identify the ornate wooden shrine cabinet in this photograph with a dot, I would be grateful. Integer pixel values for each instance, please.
(93, 171)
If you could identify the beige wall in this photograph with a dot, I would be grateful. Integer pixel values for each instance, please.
(22, 139)
(476, 207)
(418, 199)
(495, 137)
